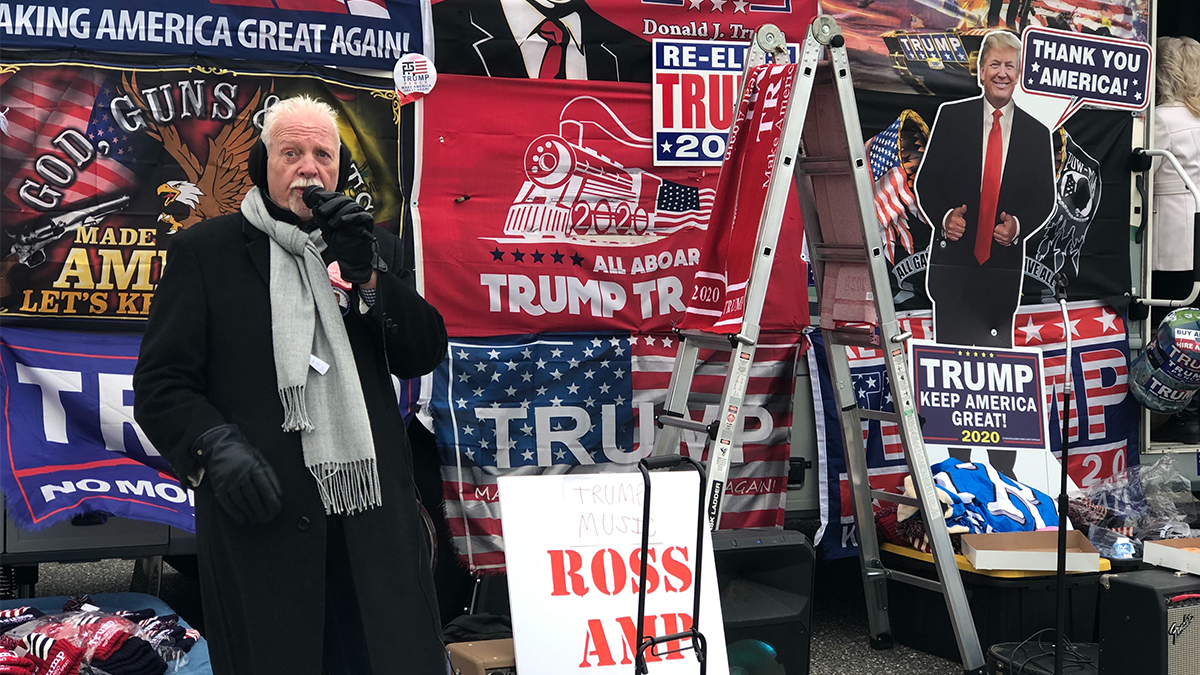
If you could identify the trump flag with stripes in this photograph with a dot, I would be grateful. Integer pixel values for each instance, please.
(548, 404)
(1103, 420)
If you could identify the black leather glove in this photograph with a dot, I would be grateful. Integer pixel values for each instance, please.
(242, 481)
(348, 230)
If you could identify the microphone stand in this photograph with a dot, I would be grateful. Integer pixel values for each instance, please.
(1060, 610)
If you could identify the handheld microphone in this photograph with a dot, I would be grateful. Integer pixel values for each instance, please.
(315, 195)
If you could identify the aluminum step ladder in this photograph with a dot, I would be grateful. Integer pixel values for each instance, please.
(846, 251)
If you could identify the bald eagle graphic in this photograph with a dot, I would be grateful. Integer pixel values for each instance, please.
(211, 189)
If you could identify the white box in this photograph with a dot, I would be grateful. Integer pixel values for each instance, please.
(1170, 553)
(1029, 551)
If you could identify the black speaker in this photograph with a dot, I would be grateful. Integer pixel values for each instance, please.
(1150, 623)
(765, 577)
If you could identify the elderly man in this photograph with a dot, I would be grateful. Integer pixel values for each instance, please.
(986, 183)
(265, 379)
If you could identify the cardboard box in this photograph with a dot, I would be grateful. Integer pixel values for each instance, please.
(1170, 553)
(486, 657)
(1034, 551)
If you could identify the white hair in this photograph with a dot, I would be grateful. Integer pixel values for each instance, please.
(302, 104)
(999, 39)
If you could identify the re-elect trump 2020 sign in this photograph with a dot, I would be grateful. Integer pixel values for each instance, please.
(69, 443)
(990, 398)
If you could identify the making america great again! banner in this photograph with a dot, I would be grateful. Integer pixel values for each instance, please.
(102, 164)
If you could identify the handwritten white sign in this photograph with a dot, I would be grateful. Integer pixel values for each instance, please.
(573, 552)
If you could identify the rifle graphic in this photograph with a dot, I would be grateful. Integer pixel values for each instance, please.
(28, 246)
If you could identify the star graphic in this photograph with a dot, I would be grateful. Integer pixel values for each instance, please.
(517, 255)
(589, 401)
(1072, 323)
(871, 382)
(1031, 331)
(694, 4)
(556, 402)
(463, 377)
(620, 351)
(462, 402)
(524, 403)
(469, 430)
(493, 354)
(740, 6)
(556, 374)
(604, 364)
(537, 256)
(649, 340)
(619, 373)
(540, 364)
(495, 377)
(597, 342)
(572, 389)
(666, 147)
(480, 367)
(573, 363)
(887, 397)
(471, 453)
(560, 453)
(557, 257)
(604, 389)
(497, 254)
(620, 400)
(526, 377)
(526, 429)
(511, 391)
(614, 342)
(512, 365)
(667, 342)
(1031, 80)
(1108, 320)
(589, 374)
(555, 353)
(528, 454)
(541, 391)
(479, 392)
(1138, 96)
(588, 351)
(633, 340)
(1036, 66)
(485, 445)
(495, 404)
(719, 5)
(463, 356)
(861, 393)
(577, 260)
(526, 352)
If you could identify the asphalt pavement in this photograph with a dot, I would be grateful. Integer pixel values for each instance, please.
(839, 642)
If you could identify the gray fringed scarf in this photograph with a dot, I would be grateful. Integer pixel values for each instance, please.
(327, 408)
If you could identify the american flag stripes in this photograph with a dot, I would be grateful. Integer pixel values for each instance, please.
(680, 206)
(521, 405)
(44, 103)
(894, 198)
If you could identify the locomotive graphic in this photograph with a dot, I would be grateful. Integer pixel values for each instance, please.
(571, 190)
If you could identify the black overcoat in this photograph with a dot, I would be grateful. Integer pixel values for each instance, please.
(971, 300)
(207, 359)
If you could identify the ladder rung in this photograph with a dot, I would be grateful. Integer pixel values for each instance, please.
(714, 340)
(823, 166)
(881, 415)
(669, 419)
(840, 252)
(853, 337)
(896, 498)
(914, 580)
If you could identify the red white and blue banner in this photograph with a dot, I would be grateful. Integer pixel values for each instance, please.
(360, 33)
(1103, 420)
(550, 404)
(70, 444)
(540, 211)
